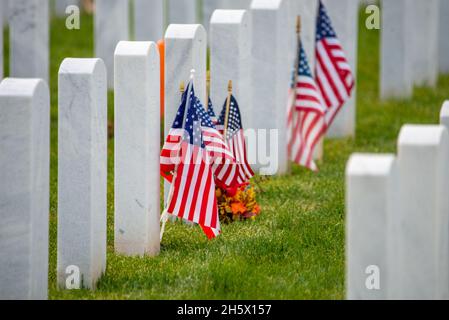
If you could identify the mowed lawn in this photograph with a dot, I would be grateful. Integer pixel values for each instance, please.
(294, 250)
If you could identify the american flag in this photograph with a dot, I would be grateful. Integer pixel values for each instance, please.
(306, 116)
(219, 152)
(235, 138)
(333, 73)
(220, 155)
(192, 194)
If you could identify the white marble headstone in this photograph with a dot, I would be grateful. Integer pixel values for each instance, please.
(271, 73)
(182, 11)
(111, 27)
(443, 43)
(149, 20)
(5, 11)
(82, 169)
(185, 49)
(371, 199)
(29, 38)
(396, 55)
(209, 6)
(419, 266)
(137, 144)
(230, 59)
(24, 188)
(423, 36)
(344, 16)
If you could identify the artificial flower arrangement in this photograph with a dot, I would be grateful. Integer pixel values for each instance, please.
(237, 204)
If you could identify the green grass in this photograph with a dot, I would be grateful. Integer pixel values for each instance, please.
(294, 250)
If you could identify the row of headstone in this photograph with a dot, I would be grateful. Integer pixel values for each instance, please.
(260, 34)
(82, 170)
(397, 225)
(112, 26)
(249, 47)
(344, 15)
(235, 56)
(413, 45)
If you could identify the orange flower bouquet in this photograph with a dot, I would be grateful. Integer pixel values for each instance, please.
(237, 205)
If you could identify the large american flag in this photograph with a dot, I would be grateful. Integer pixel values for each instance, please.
(306, 116)
(235, 139)
(192, 193)
(333, 73)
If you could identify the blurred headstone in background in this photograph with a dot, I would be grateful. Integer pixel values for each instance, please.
(148, 20)
(29, 39)
(111, 26)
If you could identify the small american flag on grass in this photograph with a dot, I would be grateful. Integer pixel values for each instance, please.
(184, 155)
(235, 139)
(221, 156)
(333, 73)
(306, 116)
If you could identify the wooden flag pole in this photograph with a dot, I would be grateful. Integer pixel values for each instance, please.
(228, 105)
(182, 88)
(207, 90)
(298, 47)
(295, 79)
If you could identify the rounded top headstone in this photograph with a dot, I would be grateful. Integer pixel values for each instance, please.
(266, 4)
(82, 66)
(22, 87)
(229, 16)
(420, 135)
(135, 48)
(370, 164)
(185, 31)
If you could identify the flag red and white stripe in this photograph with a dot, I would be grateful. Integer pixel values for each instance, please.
(306, 122)
(241, 171)
(333, 74)
(193, 190)
(185, 162)
(170, 153)
(221, 156)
